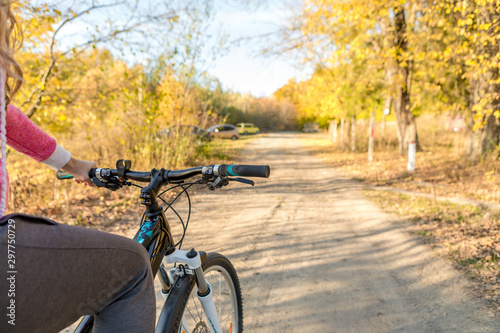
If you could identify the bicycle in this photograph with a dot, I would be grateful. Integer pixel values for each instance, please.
(194, 273)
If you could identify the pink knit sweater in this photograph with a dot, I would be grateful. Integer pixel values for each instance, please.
(24, 136)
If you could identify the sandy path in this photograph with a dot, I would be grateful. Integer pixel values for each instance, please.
(313, 255)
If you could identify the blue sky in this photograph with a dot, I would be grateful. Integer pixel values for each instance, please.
(244, 68)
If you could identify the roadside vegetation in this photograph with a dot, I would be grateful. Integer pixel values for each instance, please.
(71, 203)
(405, 58)
(108, 95)
(441, 169)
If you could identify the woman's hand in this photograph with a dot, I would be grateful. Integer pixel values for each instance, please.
(80, 170)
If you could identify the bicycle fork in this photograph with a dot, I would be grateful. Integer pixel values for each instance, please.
(192, 260)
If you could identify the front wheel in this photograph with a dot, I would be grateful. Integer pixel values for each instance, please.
(234, 137)
(226, 292)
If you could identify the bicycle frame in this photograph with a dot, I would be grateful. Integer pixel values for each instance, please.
(156, 236)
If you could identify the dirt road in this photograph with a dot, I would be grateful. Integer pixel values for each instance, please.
(313, 255)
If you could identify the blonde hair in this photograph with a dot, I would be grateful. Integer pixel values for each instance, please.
(11, 78)
(10, 42)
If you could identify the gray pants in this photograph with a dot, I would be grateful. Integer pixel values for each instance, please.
(56, 273)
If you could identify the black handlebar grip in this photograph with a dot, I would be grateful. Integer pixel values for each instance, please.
(262, 171)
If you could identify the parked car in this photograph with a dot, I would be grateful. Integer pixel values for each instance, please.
(223, 131)
(247, 128)
(311, 128)
(457, 124)
(185, 130)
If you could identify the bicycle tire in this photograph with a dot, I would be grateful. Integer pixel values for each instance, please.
(184, 300)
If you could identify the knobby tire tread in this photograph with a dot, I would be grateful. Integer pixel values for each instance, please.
(176, 303)
(212, 259)
(171, 314)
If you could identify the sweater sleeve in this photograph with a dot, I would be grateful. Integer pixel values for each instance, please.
(24, 136)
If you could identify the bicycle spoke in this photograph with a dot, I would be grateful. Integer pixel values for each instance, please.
(190, 312)
(219, 297)
(223, 301)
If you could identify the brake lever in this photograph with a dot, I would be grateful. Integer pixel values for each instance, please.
(110, 185)
(243, 180)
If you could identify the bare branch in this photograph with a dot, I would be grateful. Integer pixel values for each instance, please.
(76, 16)
(35, 96)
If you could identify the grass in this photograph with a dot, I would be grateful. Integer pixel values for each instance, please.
(225, 151)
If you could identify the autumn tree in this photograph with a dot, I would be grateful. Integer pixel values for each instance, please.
(436, 56)
(462, 66)
(368, 39)
(62, 31)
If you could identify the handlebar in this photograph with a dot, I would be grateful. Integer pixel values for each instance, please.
(223, 170)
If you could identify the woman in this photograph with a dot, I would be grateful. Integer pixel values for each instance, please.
(51, 273)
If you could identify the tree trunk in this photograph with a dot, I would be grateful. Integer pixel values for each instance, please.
(486, 137)
(485, 96)
(404, 115)
(387, 106)
(371, 136)
(342, 131)
(353, 134)
(330, 130)
(334, 131)
(490, 134)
